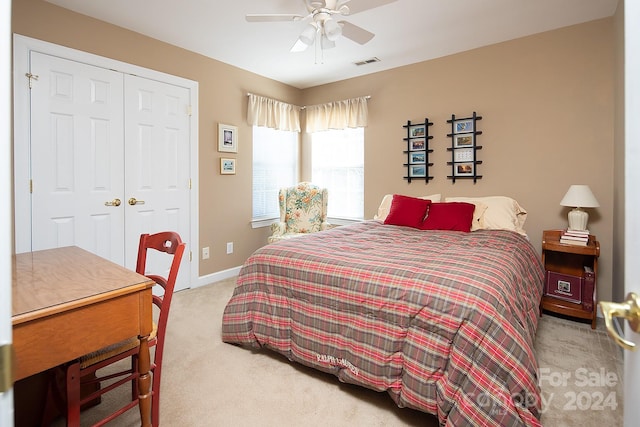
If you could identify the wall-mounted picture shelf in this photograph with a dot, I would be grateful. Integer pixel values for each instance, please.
(417, 152)
(464, 148)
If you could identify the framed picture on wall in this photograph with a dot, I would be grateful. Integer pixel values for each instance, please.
(463, 126)
(227, 138)
(417, 171)
(417, 157)
(227, 166)
(417, 144)
(417, 131)
(464, 140)
(464, 169)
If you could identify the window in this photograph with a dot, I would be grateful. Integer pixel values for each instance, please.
(275, 165)
(337, 158)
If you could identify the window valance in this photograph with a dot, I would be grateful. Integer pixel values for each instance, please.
(349, 113)
(273, 114)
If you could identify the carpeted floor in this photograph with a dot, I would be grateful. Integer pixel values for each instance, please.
(209, 383)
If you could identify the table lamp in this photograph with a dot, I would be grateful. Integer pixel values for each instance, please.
(579, 196)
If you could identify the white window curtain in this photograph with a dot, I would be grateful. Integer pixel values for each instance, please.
(349, 113)
(273, 114)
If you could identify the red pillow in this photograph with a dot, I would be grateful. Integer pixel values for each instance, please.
(455, 216)
(407, 211)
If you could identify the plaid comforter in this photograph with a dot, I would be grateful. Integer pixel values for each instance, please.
(443, 321)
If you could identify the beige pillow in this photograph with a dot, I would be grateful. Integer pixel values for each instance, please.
(501, 213)
(385, 205)
(477, 223)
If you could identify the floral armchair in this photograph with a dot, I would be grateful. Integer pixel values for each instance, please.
(303, 210)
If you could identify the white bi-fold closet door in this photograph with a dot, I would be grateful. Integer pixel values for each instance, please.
(109, 159)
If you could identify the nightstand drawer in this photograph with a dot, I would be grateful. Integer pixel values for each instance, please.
(564, 286)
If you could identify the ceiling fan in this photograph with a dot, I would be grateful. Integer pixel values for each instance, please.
(324, 27)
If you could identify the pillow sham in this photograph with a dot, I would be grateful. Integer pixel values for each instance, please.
(383, 209)
(407, 211)
(502, 213)
(477, 223)
(455, 216)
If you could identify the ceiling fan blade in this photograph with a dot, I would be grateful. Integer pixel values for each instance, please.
(272, 17)
(356, 6)
(355, 33)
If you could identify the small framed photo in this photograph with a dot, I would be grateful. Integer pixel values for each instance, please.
(463, 126)
(417, 171)
(227, 166)
(462, 141)
(463, 169)
(417, 157)
(417, 131)
(227, 138)
(564, 286)
(463, 155)
(417, 144)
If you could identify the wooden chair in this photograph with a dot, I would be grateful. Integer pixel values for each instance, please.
(83, 372)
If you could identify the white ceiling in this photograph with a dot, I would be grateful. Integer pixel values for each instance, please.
(407, 31)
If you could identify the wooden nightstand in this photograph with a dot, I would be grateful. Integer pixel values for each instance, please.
(570, 289)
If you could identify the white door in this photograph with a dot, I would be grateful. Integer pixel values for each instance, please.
(77, 156)
(631, 339)
(101, 139)
(632, 200)
(6, 396)
(156, 166)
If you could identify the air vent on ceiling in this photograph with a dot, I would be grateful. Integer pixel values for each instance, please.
(367, 61)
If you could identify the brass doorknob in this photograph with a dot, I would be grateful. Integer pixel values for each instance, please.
(114, 202)
(134, 201)
(630, 310)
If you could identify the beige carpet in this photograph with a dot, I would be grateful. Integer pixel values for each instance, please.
(209, 383)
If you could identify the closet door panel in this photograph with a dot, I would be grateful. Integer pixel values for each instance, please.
(157, 163)
(77, 156)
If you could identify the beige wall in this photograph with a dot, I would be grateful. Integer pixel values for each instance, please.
(547, 107)
(547, 103)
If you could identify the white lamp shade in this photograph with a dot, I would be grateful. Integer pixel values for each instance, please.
(579, 196)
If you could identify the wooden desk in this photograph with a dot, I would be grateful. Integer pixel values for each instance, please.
(68, 302)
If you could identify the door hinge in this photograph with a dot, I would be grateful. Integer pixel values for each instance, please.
(30, 186)
(31, 78)
(190, 256)
(189, 111)
(6, 367)
(189, 183)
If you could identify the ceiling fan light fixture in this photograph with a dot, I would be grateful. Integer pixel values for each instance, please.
(326, 43)
(308, 35)
(332, 29)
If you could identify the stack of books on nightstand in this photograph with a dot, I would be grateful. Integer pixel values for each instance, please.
(575, 237)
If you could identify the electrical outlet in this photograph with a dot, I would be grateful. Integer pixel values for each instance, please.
(205, 253)
(229, 248)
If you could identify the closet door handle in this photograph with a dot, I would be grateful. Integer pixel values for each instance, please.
(133, 201)
(114, 202)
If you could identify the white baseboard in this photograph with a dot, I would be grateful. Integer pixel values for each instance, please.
(216, 277)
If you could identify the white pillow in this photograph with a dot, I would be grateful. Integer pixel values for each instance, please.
(502, 213)
(385, 205)
(477, 223)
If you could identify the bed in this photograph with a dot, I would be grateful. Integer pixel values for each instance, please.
(444, 321)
